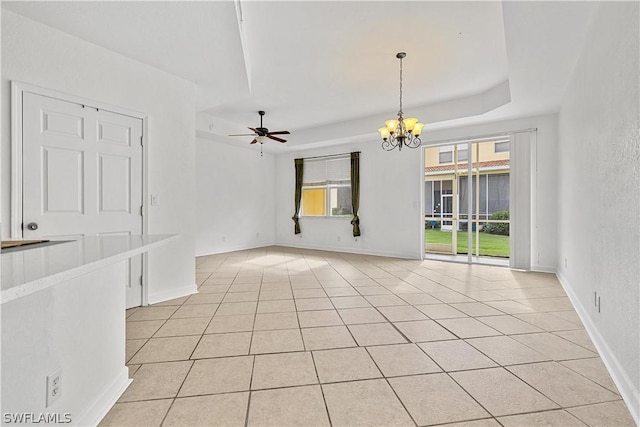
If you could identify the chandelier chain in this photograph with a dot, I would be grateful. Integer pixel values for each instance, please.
(400, 112)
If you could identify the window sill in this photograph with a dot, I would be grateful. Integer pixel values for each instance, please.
(328, 217)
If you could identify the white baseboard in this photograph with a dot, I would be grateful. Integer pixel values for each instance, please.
(544, 268)
(357, 251)
(312, 247)
(172, 294)
(234, 248)
(627, 389)
(105, 402)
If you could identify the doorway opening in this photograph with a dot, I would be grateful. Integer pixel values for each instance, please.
(466, 194)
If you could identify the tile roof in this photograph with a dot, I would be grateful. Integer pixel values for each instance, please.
(491, 164)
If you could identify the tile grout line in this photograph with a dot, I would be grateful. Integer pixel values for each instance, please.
(173, 400)
(470, 395)
(253, 369)
(205, 330)
(552, 400)
(253, 329)
(324, 399)
(338, 268)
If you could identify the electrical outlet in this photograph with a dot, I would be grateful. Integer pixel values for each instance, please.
(155, 200)
(54, 386)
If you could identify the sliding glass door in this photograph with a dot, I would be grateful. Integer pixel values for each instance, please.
(466, 193)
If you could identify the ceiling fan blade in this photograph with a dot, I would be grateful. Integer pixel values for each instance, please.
(254, 130)
(243, 134)
(280, 132)
(275, 138)
(254, 141)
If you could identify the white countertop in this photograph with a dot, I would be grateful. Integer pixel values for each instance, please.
(32, 269)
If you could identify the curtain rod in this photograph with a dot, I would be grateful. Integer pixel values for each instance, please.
(476, 137)
(329, 155)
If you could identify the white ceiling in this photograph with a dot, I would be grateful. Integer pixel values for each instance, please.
(310, 64)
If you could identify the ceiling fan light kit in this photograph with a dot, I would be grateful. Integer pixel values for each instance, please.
(262, 134)
(401, 132)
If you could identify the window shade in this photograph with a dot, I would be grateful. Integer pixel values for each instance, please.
(323, 171)
(339, 169)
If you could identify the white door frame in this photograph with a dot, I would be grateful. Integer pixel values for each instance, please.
(17, 89)
(530, 161)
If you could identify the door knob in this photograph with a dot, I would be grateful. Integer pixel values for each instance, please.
(32, 226)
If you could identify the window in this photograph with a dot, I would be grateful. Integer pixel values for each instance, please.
(463, 155)
(501, 147)
(326, 188)
(446, 154)
(446, 157)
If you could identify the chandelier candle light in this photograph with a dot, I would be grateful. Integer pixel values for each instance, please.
(401, 131)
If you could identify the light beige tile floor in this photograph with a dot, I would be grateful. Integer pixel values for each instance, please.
(286, 337)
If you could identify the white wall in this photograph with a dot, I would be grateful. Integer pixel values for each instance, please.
(39, 55)
(599, 191)
(391, 186)
(235, 190)
(390, 216)
(73, 327)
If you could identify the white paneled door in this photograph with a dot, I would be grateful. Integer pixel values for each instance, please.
(82, 175)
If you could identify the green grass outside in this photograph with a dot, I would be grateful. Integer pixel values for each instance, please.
(490, 244)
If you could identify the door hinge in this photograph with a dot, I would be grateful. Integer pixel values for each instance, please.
(140, 280)
(141, 210)
(141, 140)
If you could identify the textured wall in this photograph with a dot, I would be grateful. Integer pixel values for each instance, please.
(599, 188)
(235, 191)
(390, 219)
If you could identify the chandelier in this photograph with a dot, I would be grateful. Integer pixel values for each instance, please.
(401, 131)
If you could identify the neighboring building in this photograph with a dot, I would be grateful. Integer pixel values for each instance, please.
(446, 181)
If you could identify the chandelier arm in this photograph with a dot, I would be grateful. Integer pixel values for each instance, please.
(413, 142)
(389, 144)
